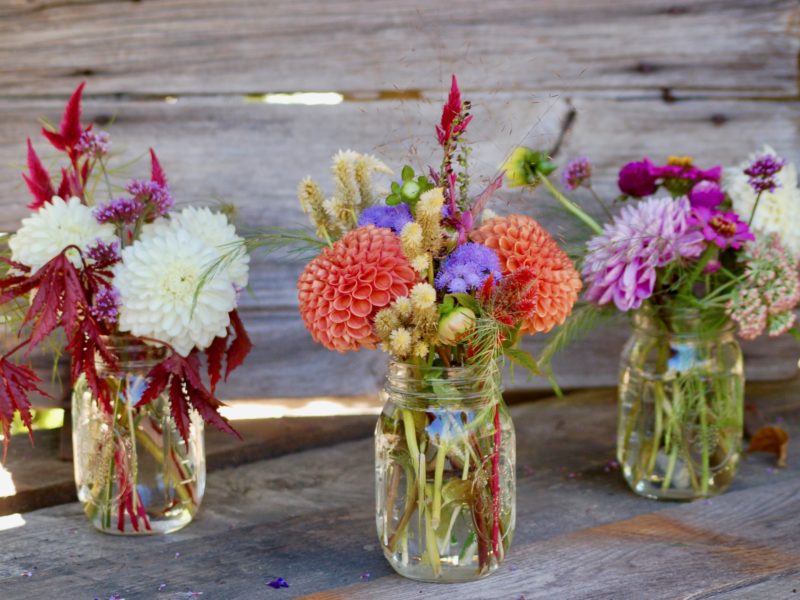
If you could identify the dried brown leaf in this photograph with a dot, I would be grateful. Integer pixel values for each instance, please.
(771, 439)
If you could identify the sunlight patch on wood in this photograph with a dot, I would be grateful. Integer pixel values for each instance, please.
(244, 410)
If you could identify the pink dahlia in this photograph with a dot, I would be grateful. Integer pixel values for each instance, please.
(341, 290)
(621, 262)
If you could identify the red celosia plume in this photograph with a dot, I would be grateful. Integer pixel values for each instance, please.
(157, 174)
(520, 242)
(38, 180)
(451, 125)
(70, 130)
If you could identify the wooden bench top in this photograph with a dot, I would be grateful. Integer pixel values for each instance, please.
(309, 517)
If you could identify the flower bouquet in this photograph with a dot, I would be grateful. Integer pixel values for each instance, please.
(694, 255)
(125, 278)
(447, 290)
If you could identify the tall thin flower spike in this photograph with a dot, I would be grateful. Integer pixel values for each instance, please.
(450, 111)
(38, 180)
(70, 130)
(156, 172)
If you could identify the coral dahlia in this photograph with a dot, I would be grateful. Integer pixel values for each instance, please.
(342, 289)
(520, 242)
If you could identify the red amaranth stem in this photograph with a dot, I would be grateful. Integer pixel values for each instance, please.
(496, 485)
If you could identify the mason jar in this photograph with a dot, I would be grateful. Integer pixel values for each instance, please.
(681, 397)
(444, 473)
(134, 472)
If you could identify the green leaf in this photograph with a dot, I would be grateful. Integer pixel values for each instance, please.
(393, 200)
(456, 490)
(447, 305)
(523, 359)
(407, 174)
(467, 301)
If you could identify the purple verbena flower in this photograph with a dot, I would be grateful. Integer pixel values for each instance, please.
(467, 268)
(118, 211)
(390, 217)
(104, 254)
(95, 144)
(707, 194)
(762, 171)
(278, 583)
(153, 193)
(637, 179)
(578, 172)
(621, 262)
(106, 305)
(725, 229)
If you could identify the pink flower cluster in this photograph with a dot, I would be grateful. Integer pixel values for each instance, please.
(769, 293)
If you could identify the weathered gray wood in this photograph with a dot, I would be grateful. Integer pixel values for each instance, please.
(254, 154)
(41, 479)
(309, 518)
(241, 46)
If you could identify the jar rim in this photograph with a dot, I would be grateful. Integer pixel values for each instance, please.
(688, 321)
(450, 386)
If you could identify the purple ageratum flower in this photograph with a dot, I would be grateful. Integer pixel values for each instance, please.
(726, 230)
(390, 217)
(153, 193)
(578, 172)
(637, 179)
(707, 194)
(121, 210)
(106, 305)
(621, 262)
(104, 254)
(762, 171)
(467, 268)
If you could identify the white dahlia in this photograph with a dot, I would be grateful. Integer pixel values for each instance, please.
(52, 228)
(157, 280)
(778, 211)
(215, 231)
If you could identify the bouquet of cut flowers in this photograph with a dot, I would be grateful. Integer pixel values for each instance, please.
(693, 254)
(121, 273)
(426, 273)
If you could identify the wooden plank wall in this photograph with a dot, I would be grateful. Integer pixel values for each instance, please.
(713, 78)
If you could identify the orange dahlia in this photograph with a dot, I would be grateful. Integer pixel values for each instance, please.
(343, 288)
(520, 242)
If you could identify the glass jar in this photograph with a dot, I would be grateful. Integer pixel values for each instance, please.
(681, 394)
(445, 462)
(134, 472)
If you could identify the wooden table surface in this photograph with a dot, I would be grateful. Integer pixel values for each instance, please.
(309, 517)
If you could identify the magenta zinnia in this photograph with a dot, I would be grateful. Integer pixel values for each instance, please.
(621, 262)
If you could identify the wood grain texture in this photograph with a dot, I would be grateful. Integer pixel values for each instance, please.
(308, 517)
(240, 46)
(40, 479)
(254, 155)
(647, 77)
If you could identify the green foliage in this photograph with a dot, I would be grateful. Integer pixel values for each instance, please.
(411, 188)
